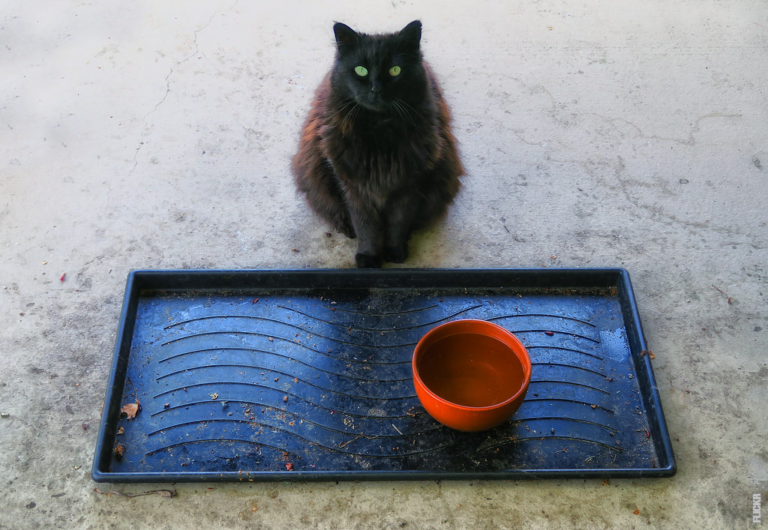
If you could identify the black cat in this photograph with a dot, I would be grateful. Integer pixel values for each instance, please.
(377, 158)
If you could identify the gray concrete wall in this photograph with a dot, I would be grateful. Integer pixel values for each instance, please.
(158, 135)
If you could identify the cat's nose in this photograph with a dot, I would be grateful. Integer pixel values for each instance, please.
(375, 87)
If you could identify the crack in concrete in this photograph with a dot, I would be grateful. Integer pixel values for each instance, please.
(556, 109)
(690, 141)
(168, 85)
(656, 213)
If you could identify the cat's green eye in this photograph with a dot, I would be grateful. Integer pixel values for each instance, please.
(394, 71)
(362, 71)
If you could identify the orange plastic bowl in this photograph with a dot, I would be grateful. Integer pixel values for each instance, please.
(471, 375)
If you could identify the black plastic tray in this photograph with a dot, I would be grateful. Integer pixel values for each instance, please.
(305, 375)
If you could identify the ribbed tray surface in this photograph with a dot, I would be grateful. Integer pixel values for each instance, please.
(282, 381)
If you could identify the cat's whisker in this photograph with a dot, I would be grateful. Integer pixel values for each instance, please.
(344, 107)
(403, 111)
(349, 117)
(407, 105)
(397, 109)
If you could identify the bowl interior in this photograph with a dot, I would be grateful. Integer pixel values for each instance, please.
(471, 370)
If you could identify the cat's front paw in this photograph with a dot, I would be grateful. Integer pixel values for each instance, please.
(396, 254)
(364, 261)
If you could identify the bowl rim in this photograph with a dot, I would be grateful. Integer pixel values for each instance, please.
(526, 362)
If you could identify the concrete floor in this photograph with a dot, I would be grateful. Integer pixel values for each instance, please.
(608, 133)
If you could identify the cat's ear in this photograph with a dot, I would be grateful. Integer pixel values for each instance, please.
(345, 36)
(411, 34)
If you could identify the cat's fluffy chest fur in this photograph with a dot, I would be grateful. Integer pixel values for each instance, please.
(378, 158)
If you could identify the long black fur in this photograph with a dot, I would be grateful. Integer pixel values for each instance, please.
(377, 158)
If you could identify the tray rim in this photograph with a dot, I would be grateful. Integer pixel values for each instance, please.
(146, 279)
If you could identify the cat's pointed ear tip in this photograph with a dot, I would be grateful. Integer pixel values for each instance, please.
(413, 29)
(344, 34)
(413, 26)
(340, 26)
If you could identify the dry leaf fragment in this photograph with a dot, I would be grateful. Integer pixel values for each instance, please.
(119, 451)
(131, 409)
(121, 430)
(289, 466)
(215, 395)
